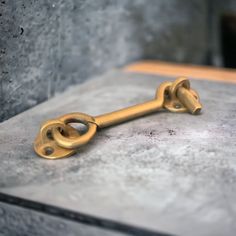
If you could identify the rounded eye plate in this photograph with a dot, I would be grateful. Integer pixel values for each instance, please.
(48, 148)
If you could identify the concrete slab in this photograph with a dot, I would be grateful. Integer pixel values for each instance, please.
(173, 173)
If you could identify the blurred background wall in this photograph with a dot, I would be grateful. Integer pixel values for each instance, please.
(46, 45)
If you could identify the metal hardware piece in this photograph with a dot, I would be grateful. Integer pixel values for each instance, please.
(58, 139)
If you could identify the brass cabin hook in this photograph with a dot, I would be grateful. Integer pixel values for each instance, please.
(58, 139)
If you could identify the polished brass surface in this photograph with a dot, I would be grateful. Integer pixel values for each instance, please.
(57, 138)
(45, 145)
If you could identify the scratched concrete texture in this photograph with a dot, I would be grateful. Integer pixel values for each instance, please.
(19, 221)
(168, 172)
(46, 46)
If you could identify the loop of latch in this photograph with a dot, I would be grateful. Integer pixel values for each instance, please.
(58, 139)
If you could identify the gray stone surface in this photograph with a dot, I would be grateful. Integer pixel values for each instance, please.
(167, 172)
(19, 221)
(45, 46)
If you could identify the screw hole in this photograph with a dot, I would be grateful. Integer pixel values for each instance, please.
(48, 151)
(49, 135)
(167, 94)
